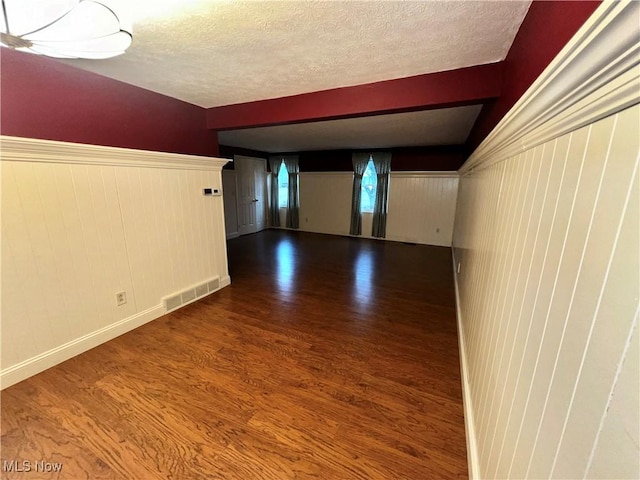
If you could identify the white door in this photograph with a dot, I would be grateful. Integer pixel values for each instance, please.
(250, 193)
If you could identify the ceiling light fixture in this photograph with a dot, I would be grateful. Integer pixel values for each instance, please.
(92, 29)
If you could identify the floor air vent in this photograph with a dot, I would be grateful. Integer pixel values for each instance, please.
(190, 295)
(214, 285)
(201, 290)
(172, 303)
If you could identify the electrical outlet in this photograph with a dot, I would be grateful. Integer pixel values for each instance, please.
(121, 298)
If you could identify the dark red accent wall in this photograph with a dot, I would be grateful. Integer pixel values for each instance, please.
(435, 158)
(546, 29)
(465, 86)
(46, 99)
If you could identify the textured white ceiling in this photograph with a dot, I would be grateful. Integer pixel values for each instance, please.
(213, 53)
(447, 126)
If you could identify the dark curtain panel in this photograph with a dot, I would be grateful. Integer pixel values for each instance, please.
(382, 164)
(274, 207)
(360, 161)
(293, 204)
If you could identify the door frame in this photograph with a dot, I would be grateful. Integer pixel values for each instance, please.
(260, 185)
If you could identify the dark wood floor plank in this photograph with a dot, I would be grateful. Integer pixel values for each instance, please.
(327, 358)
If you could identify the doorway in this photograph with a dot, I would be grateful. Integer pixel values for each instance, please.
(251, 193)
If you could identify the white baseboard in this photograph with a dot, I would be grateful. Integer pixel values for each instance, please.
(388, 238)
(432, 242)
(232, 235)
(39, 363)
(469, 422)
(48, 359)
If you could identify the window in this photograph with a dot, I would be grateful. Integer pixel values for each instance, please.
(369, 184)
(283, 186)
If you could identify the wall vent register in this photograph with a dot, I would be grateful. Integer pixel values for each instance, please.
(190, 295)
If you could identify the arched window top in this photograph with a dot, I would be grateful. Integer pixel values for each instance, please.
(283, 186)
(369, 185)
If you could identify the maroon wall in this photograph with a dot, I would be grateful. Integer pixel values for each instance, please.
(436, 158)
(464, 86)
(46, 99)
(546, 29)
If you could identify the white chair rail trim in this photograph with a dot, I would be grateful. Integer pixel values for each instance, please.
(20, 149)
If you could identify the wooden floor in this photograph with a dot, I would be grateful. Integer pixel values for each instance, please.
(327, 357)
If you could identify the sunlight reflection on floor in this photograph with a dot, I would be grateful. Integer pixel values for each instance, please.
(285, 268)
(363, 279)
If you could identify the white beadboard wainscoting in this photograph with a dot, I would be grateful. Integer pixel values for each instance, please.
(325, 202)
(81, 223)
(547, 242)
(421, 205)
